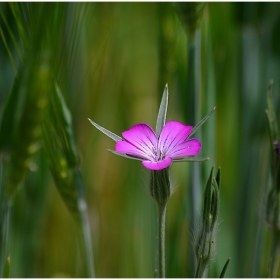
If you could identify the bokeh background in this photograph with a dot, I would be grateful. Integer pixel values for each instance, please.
(111, 62)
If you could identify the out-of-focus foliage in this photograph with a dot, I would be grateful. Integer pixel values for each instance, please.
(111, 62)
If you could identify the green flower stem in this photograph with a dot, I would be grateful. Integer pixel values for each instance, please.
(275, 254)
(161, 238)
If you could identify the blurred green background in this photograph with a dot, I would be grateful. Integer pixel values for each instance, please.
(111, 62)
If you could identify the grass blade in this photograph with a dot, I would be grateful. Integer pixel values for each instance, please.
(11, 33)
(8, 51)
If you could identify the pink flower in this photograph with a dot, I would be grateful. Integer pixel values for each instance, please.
(157, 153)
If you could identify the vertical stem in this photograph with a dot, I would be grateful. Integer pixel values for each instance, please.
(88, 245)
(85, 227)
(194, 111)
(197, 114)
(161, 238)
(275, 254)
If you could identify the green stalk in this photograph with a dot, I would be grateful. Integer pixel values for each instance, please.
(194, 78)
(84, 226)
(161, 238)
(275, 254)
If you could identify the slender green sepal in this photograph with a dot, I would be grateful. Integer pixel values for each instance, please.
(224, 269)
(190, 159)
(6, 271)
(125, 155)
(201, 122)
(162, 112)
(106, 131)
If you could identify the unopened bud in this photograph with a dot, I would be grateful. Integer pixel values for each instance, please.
(206, 236)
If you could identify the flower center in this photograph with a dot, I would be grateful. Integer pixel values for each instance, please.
(159, 154)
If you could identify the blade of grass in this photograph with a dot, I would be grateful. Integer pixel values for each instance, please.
(8, 51)
(11, 34)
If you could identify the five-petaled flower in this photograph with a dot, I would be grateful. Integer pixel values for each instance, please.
(158, 152)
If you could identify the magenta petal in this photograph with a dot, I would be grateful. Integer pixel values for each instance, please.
(188, 148)
(173, 134)
(127, 148)
(157, 165)
(142, 137)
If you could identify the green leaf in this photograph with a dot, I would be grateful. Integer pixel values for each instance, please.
(6, 271)
(162, 112)
(125, 155)
(106, 131)
(224, 269)
(201, 123)
(191, 159)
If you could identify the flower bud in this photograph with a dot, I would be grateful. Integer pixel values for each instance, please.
(206, 236)
(160, 186)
